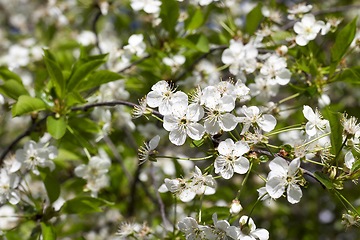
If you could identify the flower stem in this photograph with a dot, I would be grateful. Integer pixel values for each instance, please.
(191, 159)
(267, 147)
(244, 181)
(157, 117)
(307, 160)
(338, 153)
(283, 130)
(252, 209)
(258, 174)
(232, 135)
(341, 197)
(314, 140)
(288, 98)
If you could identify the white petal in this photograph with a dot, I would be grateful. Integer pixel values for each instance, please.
(349, 160)
(227, 57)
(187, 195)
(301, 40)
(177, 137)
(241, 165)
(212, 127)
(279, 165)
(309, 113)
(226, 104)
(80, 170)
(154, 142)
(275, 187)
(294, 193)
(154, 99)
(14, 197)
(195, 112)
(261, 234)
(294, 166)
(283, 77)
(241, 148)
(226, 147)
(195, 131)
(170, 122)
(179, 97)
(228, 122)
(267, 123)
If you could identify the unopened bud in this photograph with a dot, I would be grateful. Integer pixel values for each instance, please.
(235, 207)
(282, 50)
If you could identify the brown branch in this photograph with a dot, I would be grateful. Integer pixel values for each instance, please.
(135, 63)
(161, 204)
(190, 68)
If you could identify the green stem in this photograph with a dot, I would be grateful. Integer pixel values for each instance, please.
(284, 130)
(317, 150)
(258, 174)
(233, 137)
(269, 150)
(314, 140)
(344, 199)
(153, 115)
(252, 209)
(201, 199)
(307, 160)
(288, 98)
(272, 146)
(244, 181)
(338, 153)
(191, 159)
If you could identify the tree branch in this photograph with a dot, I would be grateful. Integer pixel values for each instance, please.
(135, 63)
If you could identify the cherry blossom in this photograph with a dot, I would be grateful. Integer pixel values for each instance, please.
(192, 229)
(149, 6)
(146, 152)
(307, 29)
(252, 114)
(231, 159)
(247, 230)
(281, 176)
(298, 9)
(315, 124)
(275, 69)
(8, 185)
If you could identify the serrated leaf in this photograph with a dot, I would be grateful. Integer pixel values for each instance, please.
(48, 231)
(324, 179)
(13, 89)
(336, 129)
(342, 44)
(56, 77)
(56, 126)
(84, 204)
(6, 74)
(82, 72)
(27, 104)
(97, 78)
(253, 19)
(51, 184)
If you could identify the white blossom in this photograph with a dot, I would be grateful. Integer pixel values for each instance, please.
(349, 160)
(149, 6)
(315, 124)
(247, 230)
(307, 29)
(281, 176)
(275, 68)
(263, 89)
(298, 9)
(240, 57)
(86, 38)
(231, 159)
(192, 229)
(252, 114)
(175, 62)
(135, 46)
(148, 150)
(163, 96)
(8, 185)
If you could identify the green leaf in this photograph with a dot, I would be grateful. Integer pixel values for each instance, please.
(27, 104)
(82, 72)
(197, 143)
(263, 158)
(74, 98)
(200, 42)
(56, 77)
(84, 125)
(195, 20)
(350, 75)
(97, 78)
(324, 179)
(342, 44)
(84, 204)
(169, 14)
(253, 19)
(13, 89)
(336, 129)
(51, 184)
(6, 74)
(56, 126)
(66, 155)
(48, 231)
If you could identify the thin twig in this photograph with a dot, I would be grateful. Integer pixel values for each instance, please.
(131, 206)
(97, 16)
(112, 103)
(118, 157)
(190, 68)
(135, 63)
(21, 136)
(161, 204)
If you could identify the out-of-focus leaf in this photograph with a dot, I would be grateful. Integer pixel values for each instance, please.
(350, 75)
(27, 104)
(13, 89)
(6, 74)
(51, 184)
(82, 72)
(56, 126)
(195, 19)
(342, 44)
(253, 19)
(98, 78)
(200, 42)
(169, 14)
(56, 77)
(74, 97)
(48, 231)
(84, 204)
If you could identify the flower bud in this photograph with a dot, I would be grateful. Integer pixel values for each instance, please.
(235, 207)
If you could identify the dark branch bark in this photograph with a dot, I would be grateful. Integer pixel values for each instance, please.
(135, 63)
